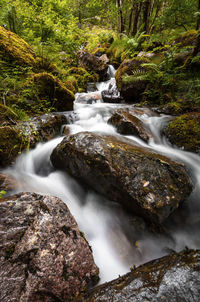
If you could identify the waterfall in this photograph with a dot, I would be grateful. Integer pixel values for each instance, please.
(115, 242)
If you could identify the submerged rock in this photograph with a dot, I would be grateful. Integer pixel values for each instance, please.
(43, 255)
(129, 124)
(146, 183)
(184, 132)
(172, 278)
(93, 64)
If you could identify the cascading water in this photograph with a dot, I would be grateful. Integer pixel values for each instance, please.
(116, 242)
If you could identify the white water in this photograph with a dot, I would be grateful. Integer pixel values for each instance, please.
(117, 244)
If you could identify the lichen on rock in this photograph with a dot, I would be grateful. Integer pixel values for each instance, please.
(43, 255)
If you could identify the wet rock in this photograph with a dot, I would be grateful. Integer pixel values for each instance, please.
(88, 98)
(144, 182)
(25, 135)
(112, 96)
(91, 87)
(130, 79)
(43, 255)
(172, 278)
(7, 182)
(92, 63)
(184, 132)
(66, 130)
(104, 58)
(129, 124)
(43, 128)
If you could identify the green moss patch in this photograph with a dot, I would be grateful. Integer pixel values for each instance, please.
(184, 131)
(15, 49)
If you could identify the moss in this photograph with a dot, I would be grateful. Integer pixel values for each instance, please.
(131, 80)
(184, 131)
(12, 142)
(6, 115)
(49, 87)
(187, 39)
(77, 70)
(15, 49)
(71, 85)
(99, 51)
(82, 77)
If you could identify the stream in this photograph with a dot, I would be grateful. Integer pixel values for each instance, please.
(117, 240)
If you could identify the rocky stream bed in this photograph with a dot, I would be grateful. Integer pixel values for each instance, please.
(134, 196)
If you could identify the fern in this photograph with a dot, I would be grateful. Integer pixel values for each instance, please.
(137, 75)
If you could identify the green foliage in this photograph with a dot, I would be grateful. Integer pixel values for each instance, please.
(2, 193)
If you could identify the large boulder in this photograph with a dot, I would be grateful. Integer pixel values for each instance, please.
(129, 124)
(93, 64)
(130, 79)
(43, 255)
(13, 48)
(172, 278)
(146, 183)
(184, 132)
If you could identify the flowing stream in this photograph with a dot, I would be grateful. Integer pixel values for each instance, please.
(118, 241)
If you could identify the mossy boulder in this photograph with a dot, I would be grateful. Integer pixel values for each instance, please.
(51, 88)
(99, 51)
(129, 124)
(171, 278)
(93, 64)
(7, 116)
(14, 48)
(11, 144)
(82, 77)
(184, 132)
(71, 85)
(145, 183)
(186, 39)
(130, 79)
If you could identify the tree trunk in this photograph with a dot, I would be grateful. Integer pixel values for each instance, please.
(136, 18)
(119, 4)
(146, 15)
